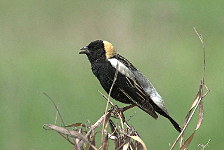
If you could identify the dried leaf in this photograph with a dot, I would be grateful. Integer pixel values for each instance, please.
(93, 141)
(100, 121)
(113, 129)
(187, 142)
(137, 138)
(66, 138)
(125, 147)
(138, 146)
(192, 106)
(107, 120)
(76, 125)
(70, 133)
(196, 99)
(200, 116)
(106, 143)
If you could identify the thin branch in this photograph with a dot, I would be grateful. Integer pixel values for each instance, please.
(55, 107)
(203, 45)
(96, 125)
(63, 123)
(56, 116)
(70, 133)
(108, 99)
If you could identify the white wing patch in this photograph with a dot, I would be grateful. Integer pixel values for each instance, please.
(121, 68)
(142, 80)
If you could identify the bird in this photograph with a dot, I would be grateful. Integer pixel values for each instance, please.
(131, 86)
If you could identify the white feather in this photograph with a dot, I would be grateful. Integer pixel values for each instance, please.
(121, 68)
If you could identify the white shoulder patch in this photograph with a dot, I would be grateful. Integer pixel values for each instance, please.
(121, 68)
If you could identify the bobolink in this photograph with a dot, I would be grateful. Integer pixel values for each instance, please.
(131, 86)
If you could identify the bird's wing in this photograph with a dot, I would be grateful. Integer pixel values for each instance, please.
(131, 88)
(149, 90)
(143, 86)
(137, 95)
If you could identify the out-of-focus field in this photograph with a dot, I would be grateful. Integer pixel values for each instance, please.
(39, 44)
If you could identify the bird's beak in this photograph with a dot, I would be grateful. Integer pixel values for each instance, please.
(84, 50)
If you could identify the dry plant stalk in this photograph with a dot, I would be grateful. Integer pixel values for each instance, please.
(124, 136)
(196, 103)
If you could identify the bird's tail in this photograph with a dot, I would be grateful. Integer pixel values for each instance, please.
(175, 124)
(165, 114)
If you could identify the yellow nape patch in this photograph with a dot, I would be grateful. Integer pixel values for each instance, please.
(110, 51)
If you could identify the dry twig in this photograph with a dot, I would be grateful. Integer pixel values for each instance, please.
(197, 102)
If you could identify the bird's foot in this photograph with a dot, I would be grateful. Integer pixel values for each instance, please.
(118, 112)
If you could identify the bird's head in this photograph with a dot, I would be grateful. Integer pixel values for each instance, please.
(98, 50)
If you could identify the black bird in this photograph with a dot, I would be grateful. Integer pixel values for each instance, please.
(131, 86)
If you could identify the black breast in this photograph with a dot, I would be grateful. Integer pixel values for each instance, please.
(105, 72)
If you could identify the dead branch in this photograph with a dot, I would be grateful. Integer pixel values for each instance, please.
(197, 102)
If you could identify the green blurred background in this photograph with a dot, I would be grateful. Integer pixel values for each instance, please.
(39, 44)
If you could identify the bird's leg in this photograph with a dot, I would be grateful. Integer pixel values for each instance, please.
(116, 108)
(121, 110)
(127, 107)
